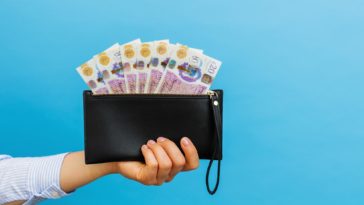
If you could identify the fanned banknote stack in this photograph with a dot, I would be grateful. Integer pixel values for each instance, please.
(150, 67)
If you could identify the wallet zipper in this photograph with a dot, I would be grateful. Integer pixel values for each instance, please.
(209, 93)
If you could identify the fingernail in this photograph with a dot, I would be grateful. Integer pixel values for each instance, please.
(161, 139)
(186, 141)
(150, 142)
(144, 146)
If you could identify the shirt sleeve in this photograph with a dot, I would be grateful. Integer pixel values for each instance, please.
(31, 179)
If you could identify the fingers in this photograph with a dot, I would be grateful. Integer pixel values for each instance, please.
(148, 174)
(191, 154)
(175, 155)
(164, 162)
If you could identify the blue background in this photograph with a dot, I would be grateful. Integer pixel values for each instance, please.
(292, 72)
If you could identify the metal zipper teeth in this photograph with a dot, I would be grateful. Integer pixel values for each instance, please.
(210, 92)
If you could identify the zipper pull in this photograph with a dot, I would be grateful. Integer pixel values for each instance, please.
(213, 96)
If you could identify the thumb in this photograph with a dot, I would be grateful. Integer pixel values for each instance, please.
(191, 154)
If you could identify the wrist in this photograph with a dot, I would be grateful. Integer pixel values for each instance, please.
(112, 167)
(75, 173)
(100, 170)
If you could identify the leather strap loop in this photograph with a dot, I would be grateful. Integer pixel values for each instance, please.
(217, 150)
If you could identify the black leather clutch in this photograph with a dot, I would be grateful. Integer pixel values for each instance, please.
(116, 126)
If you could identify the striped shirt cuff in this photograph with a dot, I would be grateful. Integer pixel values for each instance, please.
(44, 177)
(31, 179)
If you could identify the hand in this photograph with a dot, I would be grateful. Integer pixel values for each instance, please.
(163, 160)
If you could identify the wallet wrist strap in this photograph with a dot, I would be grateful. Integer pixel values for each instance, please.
(217, 150)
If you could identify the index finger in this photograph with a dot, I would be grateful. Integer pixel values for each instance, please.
(148, 175)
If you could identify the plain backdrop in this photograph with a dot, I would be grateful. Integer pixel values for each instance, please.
(292, 74)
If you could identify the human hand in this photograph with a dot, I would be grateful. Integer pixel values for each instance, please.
(163, 160)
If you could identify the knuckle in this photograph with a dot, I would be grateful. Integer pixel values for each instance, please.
(139, 177)
(166, 165)
(180, 162)
(154, 165)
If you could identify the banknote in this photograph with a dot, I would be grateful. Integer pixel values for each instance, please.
(210, 68)
(178, 53)
(93, 77)
(128, 58)
(144, 53)
(109, 62)
(185, 71)
(160, 56)
(150, 67)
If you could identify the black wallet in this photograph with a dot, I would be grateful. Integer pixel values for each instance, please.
(117, 125)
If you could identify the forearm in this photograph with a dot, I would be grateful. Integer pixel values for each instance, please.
(37, 178)
(75, 173)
